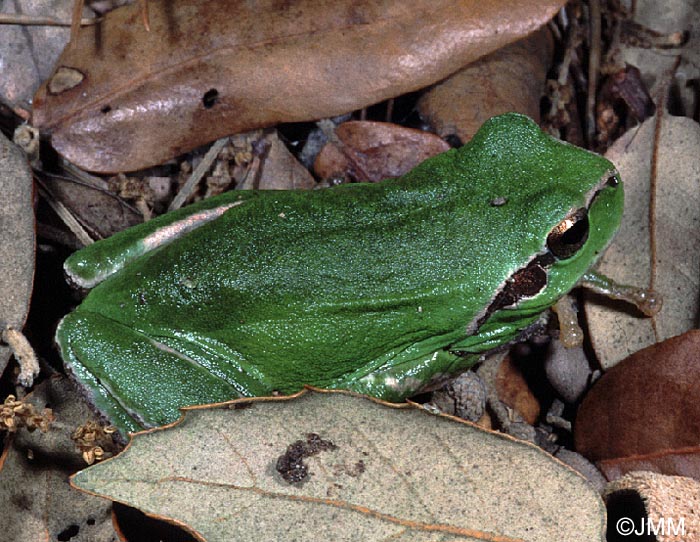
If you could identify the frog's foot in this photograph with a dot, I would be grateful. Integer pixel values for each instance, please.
(399, 378)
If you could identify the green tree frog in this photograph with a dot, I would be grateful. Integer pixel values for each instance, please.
(382, 288)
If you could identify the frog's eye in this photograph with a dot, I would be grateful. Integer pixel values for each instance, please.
(612, 181)
(567, 237)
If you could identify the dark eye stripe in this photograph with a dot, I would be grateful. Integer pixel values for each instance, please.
(524, 283)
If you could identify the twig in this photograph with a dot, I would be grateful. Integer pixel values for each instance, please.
(67, 217)
(144, 15)
(75, 20)
(24, 354)
(593, 69)
(660, 108)
(31, 20)
(197, 174)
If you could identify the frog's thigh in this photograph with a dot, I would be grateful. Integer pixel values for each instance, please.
(135, 381)
(404, 375)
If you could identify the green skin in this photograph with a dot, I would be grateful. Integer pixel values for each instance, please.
(378, 288)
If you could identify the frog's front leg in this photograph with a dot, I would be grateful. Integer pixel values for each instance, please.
(93, 264)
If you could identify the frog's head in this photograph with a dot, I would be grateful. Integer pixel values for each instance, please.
(563, 203)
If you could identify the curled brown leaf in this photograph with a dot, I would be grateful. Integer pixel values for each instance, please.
(645, 406)
(200, 74)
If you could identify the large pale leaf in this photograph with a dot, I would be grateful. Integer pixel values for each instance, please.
(122, 98)
(614, 333)
(383, 472)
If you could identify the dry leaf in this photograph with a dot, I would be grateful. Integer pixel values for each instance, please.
(28, 53)
(680, 462)
(646, 404)
(16, 240)
(38, 504)
(514, 391)
(279, 169)
(36, 499)
(363, 470)
(138, 98)
(372, 151)
(667, 18)
(70, 410)
(677, 196)
(99, 210)
(614, 333)
(510, 79)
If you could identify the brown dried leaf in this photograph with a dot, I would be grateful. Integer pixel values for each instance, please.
(372, 151)
(96, 208)
(646, 404)
(279, 169)
(510, 79)
(514, 391)
(200, 74)
(681, 462)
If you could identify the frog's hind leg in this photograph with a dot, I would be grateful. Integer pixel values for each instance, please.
(134, 380)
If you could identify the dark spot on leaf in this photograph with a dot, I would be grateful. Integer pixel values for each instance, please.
(317, 444)
(356, 469)
(210, 98)
(68, 533)
(21, 501)
(106, 109)
(291, 464)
